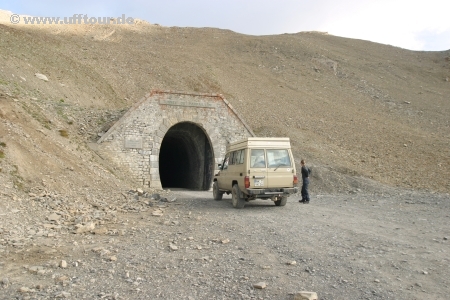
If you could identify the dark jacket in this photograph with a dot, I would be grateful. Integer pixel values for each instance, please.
(305, 172)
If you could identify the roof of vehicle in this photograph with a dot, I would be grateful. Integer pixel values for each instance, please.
(261, 142)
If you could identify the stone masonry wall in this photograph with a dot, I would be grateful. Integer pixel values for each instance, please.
(135, 140)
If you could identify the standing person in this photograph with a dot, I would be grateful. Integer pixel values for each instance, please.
(305, 182)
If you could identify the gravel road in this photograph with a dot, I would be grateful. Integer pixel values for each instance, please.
(390, 245)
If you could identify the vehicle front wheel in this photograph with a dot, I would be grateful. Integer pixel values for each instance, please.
(217, 194)
(282, 201)
(238, 201)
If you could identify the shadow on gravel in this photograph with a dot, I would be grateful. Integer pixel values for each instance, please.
(205, 200)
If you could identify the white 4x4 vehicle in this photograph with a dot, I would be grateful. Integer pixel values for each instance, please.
(257, 168)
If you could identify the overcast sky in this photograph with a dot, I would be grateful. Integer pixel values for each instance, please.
(410, 24)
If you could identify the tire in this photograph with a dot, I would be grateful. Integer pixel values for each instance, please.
(281, 202)
(236, 199)
(216, 193)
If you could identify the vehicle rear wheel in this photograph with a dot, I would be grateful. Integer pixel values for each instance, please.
(217, 194)
(236, 199)
(282, 201)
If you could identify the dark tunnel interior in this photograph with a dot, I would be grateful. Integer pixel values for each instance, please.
(186, 158)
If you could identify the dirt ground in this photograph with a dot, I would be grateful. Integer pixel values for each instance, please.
(387, 245)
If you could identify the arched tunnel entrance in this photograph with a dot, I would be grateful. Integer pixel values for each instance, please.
(186, 158)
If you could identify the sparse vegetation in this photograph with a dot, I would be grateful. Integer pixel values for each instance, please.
(17, 179)
(61, 111)
(36, 113)
(63, 132)
(2, 153)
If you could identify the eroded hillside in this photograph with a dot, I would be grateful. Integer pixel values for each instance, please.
(353, 109)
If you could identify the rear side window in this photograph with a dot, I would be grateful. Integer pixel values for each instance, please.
(237, 157)
(257, 158)
(241, 159)
(278, 158)
(232, 155)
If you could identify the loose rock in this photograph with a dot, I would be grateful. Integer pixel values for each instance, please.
(305, 296)
(63, 264)
(85, 228)
(5, 282)
(260, 285)
(157, 213)
(41, 76)
(53, 217)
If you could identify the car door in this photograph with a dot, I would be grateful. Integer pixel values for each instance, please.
(231, 172)
(238, 168)
(258, 168)
(279, 168)
(223, 174)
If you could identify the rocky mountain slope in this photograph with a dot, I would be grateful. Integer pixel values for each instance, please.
(355, 110)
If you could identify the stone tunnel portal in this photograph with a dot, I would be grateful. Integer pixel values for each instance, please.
(186, 158)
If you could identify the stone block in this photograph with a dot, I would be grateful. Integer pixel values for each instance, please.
(154, 177)
(167, 122)
(160, 133)
(163, 128)
(156, 184)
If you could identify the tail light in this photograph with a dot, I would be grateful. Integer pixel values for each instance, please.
(247, 182)
(295, 179)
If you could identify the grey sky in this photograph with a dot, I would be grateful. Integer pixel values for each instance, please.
(415, 25)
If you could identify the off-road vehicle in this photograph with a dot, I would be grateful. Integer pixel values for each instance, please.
(257, 168)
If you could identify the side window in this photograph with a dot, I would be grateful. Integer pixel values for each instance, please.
(278, 158)
(241, 159)
(237, 154)
(232, 158)
(237, 157)
(257, 159)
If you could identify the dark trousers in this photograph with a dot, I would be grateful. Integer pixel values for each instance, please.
(305, 193)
